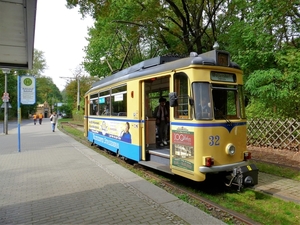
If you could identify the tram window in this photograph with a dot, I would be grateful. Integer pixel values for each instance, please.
(119, 101)
(226, 102)
(202, 101)
(94, 104)
(181, 87)
(104, 103)
(242, 101)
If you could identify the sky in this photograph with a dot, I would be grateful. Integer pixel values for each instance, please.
(61, 34)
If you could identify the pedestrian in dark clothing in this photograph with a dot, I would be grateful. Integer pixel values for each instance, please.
(162, 119)
(40, 118)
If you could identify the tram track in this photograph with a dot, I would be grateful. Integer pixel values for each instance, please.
(195, 196)
(216, 210)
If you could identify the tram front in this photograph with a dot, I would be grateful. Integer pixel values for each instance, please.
(209, 128)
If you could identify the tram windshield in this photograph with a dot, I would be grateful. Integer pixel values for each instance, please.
(216, 101)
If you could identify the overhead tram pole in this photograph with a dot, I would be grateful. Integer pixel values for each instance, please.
(5, 125)
(78, 90)
(104, 59)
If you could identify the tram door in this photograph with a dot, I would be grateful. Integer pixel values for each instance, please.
(86, 116)
(149, 128)
(152, 91)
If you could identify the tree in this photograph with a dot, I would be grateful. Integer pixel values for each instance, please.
(12, 90)
(263, 39)
(255, 30)
(39, 63)
(152, 27)
(261, 35)
(46, 90)
(274, 92)
(71, 89)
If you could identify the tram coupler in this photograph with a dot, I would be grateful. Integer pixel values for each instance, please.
(244, 176)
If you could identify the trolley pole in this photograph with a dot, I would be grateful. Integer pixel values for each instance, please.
(78, 89)
(5, 125)
(78, 93)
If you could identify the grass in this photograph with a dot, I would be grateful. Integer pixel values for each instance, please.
(281, 171)
(258, 206)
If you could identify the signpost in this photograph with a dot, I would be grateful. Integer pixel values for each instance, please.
(27, 87)
(5, 100)
(26, 96)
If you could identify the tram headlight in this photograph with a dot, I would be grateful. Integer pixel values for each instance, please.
(230, 149)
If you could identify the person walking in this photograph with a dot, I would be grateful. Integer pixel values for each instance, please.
(34, 119)
(40, 118)
(53, 119)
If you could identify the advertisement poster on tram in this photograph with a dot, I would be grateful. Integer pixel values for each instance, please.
(113, 129)
(183, 148)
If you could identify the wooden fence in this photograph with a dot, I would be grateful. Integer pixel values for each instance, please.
(274, 133)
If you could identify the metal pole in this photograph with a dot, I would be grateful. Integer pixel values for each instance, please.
(19, 117)
(111, 69)
(5, 125)
(78, 106)
(5, 108)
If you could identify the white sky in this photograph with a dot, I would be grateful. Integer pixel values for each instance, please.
(60, 33)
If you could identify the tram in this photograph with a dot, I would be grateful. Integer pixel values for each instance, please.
(119, 116)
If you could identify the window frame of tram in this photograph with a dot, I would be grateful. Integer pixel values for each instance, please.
(182, 110)
(226, 101)
(110, 102)
(119, 101)
(93, 104)
(104, 103)
(242, 101)
(202, 100)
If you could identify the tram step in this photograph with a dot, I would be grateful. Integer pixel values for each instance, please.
(164, 153)
(158, 166)
(161, 156)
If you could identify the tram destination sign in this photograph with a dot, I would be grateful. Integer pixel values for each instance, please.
(226, 77)
(27, 90)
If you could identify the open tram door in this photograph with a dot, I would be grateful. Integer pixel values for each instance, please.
(154, 155)
(86, 113)
(149, 128)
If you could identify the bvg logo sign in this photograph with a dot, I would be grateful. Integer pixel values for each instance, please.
(27, 82)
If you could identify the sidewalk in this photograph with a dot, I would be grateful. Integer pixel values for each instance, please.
(286, 189)
(57, 180)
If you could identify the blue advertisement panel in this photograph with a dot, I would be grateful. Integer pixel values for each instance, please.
(114, 136)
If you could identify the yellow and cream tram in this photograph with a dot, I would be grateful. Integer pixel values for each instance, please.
(119, 116)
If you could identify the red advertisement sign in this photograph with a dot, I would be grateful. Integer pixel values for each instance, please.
(183, 138)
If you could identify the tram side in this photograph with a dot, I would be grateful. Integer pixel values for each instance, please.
(119, 116)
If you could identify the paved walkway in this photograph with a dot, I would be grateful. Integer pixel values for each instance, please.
(56, 180)
(279, 187)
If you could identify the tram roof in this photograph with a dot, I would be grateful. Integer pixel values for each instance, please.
(160, 64)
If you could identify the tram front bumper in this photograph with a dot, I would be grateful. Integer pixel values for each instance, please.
(242, 173)
(222, 168)
(248, 173)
